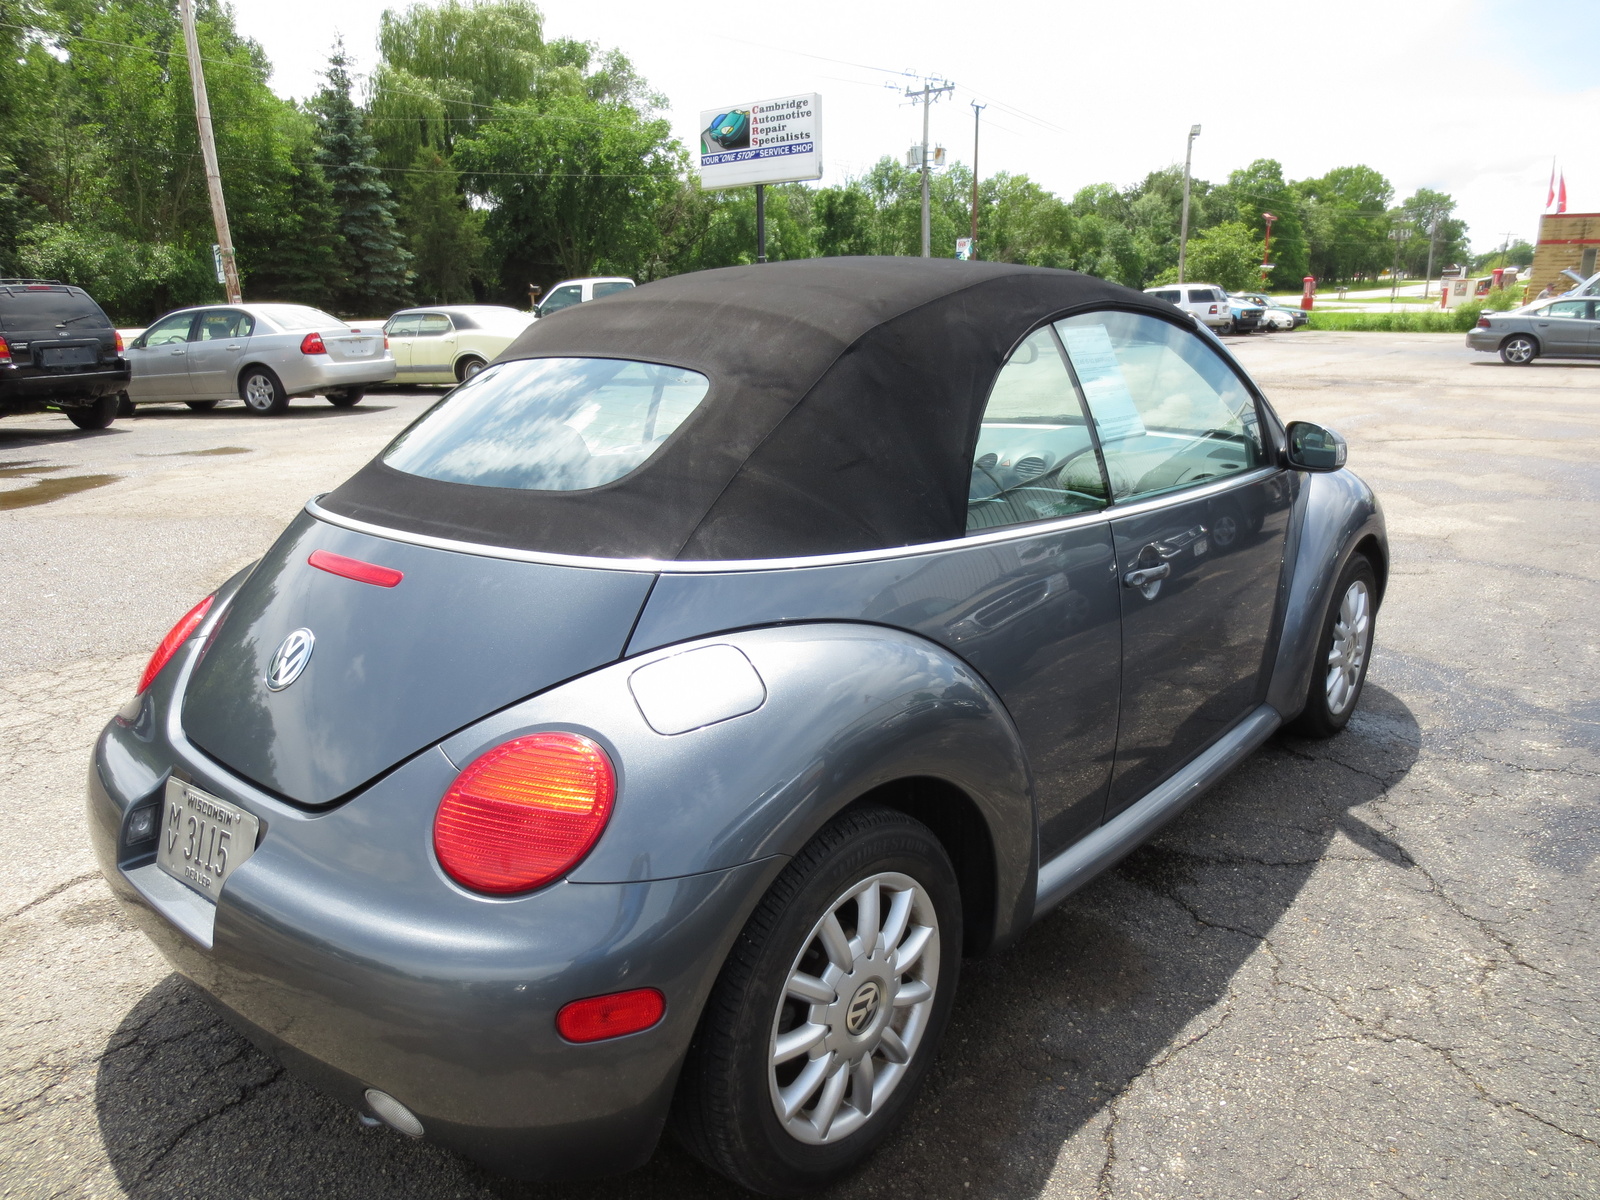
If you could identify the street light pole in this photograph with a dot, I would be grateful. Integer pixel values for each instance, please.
(1183, 233)
(208, 151)
(927, 95)
(976, 110)
(1266, 249)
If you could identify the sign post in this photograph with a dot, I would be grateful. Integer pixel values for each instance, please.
(762, 142)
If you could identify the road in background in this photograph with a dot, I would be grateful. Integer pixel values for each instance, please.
(1359, 967)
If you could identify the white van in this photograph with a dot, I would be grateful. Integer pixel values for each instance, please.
(1206, 301)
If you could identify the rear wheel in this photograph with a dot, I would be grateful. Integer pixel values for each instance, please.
(1340, 667)
(202, 405)
(1519, 350)
(829, 1010)
(98, 415)
(261, 391)
(346, 397)
(468, 367)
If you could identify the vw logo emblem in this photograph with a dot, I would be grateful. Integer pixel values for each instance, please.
(291, 658)
(863, 1007)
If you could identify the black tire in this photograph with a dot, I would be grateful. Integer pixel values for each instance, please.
(202, 405)
(468, 367)
(98, 415)
(1328, 710)
(124, 405)
(725, 1112)
(1519, 349)
(1230, 328)
(346, 397)
(262, 391)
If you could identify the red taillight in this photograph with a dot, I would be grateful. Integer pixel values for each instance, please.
(119, 341)
(312, 344)
(524, 813)
(601, 1017)
(1483, 322)
(386, 341)
(354, 568)
(176, 636)
(5, 351)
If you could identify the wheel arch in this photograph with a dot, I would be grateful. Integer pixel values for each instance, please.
(238, 379)
(1538, 346)
(463, 358)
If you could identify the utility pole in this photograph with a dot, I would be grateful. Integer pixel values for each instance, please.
(1433, 237)
(208, 150)
(1183, 232)
(761, 222)
(927, 95)
(976, 110)
(1266, 249)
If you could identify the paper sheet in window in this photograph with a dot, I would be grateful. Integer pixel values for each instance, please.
(1095, 360)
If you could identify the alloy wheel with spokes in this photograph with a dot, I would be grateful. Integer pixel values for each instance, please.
(1344, 652)
(1352, 632)
(829, 1008)
(1519, 350)
(855, 1008)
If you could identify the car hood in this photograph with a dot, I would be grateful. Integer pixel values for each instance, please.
(391, 670)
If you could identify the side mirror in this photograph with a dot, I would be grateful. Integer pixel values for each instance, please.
(1313, 448)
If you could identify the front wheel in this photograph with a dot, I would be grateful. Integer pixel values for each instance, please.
(1518, 350)
(98, 415)
(1340, 667)
(829, 1009)
(261, 392)
(468, 367)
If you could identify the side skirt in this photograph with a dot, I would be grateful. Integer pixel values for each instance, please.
(1083, 860)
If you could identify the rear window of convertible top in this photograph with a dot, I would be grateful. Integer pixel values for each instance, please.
(549, 424)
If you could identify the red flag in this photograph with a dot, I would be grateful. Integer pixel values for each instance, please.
(1561, 194)
(1551, 198)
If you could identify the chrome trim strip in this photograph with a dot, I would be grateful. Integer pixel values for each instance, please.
(1012, 533)
(1131, 828)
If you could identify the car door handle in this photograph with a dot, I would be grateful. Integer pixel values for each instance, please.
(180, 352)
(235, 346)
(1145, 576)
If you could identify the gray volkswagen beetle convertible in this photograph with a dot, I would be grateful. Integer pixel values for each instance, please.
(648, 733)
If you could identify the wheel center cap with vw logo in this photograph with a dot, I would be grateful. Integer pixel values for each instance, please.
(290, 659)
(863, 1007)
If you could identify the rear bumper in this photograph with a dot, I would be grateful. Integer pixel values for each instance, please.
(38, 386)
(355, 962)
(318, 373)
(1485, 340)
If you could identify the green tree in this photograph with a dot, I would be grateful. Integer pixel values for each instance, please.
(304, 265)
(1430, 216)
(1228, 255)
(374, 264)
(1346, 215)
(445, 235)
(1256, 190)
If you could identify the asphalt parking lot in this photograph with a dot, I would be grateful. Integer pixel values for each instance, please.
(1360, 967)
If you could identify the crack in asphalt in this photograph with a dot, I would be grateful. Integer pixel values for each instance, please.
(51, 893)
(244, 1094)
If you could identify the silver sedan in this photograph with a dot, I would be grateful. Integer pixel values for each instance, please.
(263, 354)
(1566, 328)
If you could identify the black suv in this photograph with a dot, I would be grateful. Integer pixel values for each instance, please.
(58, 350)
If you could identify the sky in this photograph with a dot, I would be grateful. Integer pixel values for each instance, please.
(1469, 97)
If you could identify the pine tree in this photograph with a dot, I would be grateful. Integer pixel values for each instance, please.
(445, 235)
(373, 261)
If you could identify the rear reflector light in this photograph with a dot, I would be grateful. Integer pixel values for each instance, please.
(601, 1017)
(524, 813)
(312, 344)
(354, 568)
(176, 636)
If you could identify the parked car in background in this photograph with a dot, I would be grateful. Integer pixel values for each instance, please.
(263, 354)
(1247, 315)
(1277, 315)
(1564, 328)
(652, 728)
(450, 343)
(1206, 301)
(58, 350)
(579, 291)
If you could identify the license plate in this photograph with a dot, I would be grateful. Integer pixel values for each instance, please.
(360, 349)
(67, 356)
(203, 839)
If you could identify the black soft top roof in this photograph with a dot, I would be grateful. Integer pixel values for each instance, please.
(844, 405)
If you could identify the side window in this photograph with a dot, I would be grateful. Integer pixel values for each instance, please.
(1169, 411)
(607, 289)
(433, 325)
(1171, 296)
(1202, 295)
(224, 323)
(1035, 459)
(405, 326)
(1566, 308)
(169, 330)
(563, 297)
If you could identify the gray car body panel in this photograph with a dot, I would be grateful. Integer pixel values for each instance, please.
(342, 946)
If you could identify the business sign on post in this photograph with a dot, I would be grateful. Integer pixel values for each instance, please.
(767, 141)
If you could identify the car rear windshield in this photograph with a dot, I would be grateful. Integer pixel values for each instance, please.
(41, 307)
(550, 424)
(292, 318)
